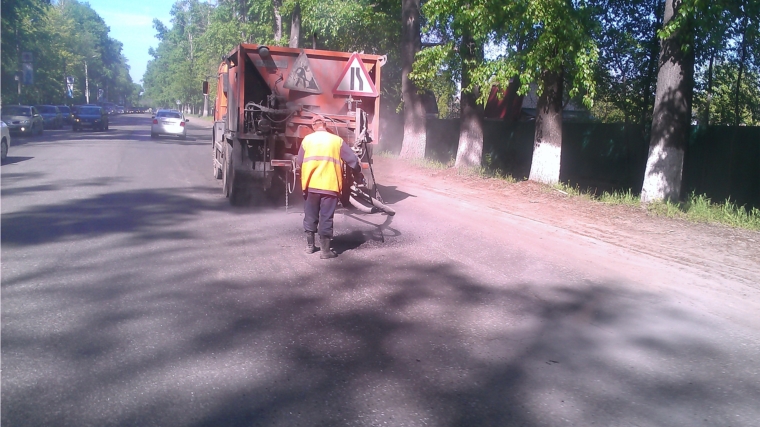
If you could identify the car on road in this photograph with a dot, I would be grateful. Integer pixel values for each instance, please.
(169, 122)
(90, 116)
(51, 115)
(5, 141)
(23, 119)
(67, 114)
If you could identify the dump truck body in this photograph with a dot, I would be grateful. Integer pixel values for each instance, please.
(266, 100)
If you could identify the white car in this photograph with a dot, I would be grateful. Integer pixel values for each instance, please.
(6, 140)
(169, 122)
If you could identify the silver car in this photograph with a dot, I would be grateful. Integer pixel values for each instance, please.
(5, 143)
(169, 122)
(23, 119)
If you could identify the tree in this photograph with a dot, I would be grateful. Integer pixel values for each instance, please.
(61, 37)
(457, 52)
(414, 142)
(201, 33)
(628, 50)
(672, 107)
(470, 148)
(548, 42)
(295, 26)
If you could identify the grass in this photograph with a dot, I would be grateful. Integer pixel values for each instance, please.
(626, 198)
(697, 208)
(576, 191)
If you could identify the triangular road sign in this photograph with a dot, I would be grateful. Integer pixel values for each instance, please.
(301, 77)
(355, 79)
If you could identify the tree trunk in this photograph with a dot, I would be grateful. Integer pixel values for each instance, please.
(708, 97)
(654, 50)
(671, 120)
(470, 150)
(547, 144)
(742, 61)
(415, 138)
(276, 5)
(295, 26)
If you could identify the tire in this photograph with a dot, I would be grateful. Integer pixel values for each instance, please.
(42, 129)
(217, 172)
(3, 149)
(226, 171)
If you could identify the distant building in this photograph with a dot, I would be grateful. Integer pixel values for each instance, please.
(507, 105)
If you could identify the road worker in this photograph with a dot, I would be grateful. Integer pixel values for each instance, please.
(322, 182)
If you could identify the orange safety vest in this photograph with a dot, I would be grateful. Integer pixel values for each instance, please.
(321, 169)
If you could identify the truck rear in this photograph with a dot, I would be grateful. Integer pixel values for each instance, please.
(266, 100)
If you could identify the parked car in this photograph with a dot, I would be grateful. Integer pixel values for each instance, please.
(23, 119)
(5, 140)
(51, 115)
(68, 115)
(90, 116)
(169, 122)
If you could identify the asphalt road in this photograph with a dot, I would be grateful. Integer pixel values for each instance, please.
(134, 295)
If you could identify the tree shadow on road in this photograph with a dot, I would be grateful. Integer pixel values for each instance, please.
(354, 342)
(143, 212)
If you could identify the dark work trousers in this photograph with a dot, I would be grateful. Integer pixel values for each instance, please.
(319, 210)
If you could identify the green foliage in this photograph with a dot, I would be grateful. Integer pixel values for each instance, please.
(536, 36)
(626, 72)
(201, 33)
(722, 97)
(61, 37)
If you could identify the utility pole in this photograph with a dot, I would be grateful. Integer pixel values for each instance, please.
(18, 80)
(86, 83)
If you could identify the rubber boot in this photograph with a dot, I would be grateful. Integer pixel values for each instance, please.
(327, 253)
(310, 247)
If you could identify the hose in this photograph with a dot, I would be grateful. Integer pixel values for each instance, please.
(360, 207)
(382, 207)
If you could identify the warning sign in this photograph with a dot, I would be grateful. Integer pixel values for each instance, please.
(301, 77)
(355, 79)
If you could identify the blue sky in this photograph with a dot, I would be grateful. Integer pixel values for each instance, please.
(131, 22)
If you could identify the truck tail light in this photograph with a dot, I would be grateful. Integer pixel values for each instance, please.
(155, 121)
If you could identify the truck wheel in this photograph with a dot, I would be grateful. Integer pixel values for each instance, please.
(226, 171)
(217, 172)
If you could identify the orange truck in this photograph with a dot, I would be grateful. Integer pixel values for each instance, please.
(266, 100)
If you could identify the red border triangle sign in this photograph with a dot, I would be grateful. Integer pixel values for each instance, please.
(354, 80)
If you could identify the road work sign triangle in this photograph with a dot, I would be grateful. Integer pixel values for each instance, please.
(355, 79)
(301, 77)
